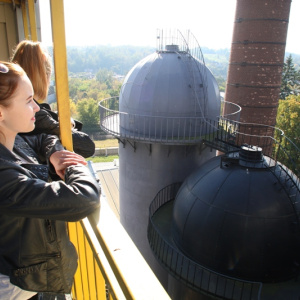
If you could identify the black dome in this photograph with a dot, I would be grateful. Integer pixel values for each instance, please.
(236, 218)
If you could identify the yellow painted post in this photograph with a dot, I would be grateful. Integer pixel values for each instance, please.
(32, 20)
(101, 294)
(61, 72)
(90, 270)
(77, 287)
(25, 21)
(83, 262)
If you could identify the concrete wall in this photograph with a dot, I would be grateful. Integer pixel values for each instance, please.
(106, 151)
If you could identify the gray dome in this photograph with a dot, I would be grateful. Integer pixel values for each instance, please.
(236, 218)
(170, 83)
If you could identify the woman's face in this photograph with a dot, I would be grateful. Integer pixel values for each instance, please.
(19, 116)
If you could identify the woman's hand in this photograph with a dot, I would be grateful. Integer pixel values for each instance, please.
(63, 159)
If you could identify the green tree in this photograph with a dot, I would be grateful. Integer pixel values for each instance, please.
(221, 83)
(105, 76)
(288, 115)
(290, 84)
(103, 95)
(88, 112)
(74, 84)
(73, 109)
(288, 120)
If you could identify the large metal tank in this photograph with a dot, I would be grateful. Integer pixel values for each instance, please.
(232, 229)
(235, 216)
(166, 102)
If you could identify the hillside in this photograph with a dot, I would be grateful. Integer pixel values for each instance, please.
(120, 59)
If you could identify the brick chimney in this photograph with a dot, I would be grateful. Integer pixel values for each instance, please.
(257, 57)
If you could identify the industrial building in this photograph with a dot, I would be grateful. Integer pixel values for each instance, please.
(223, 210)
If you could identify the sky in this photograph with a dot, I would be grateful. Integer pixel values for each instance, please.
(135, 22)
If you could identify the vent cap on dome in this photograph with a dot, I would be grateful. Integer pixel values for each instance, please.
(172, 48)
(251, 156)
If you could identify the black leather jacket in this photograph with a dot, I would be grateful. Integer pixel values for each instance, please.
(47, 122)
(35, 250)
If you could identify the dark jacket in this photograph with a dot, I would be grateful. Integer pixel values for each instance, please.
(47, 122)
(35, 250)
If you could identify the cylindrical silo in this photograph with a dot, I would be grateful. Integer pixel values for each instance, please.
(167, 104)
(257, 57)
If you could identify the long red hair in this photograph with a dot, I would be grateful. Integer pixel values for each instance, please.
(36, 62)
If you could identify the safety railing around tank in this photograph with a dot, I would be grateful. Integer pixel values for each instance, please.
(225, 134)
(186, 270)
(281, 155)
(159, 128)
(232, 134)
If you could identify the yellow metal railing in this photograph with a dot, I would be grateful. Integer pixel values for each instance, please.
(89, 282)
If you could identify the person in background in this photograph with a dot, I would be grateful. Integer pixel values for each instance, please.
(36, 62)
(36, 254)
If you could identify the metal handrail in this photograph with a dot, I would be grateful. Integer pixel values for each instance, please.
(158, 128)
(225, 133)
